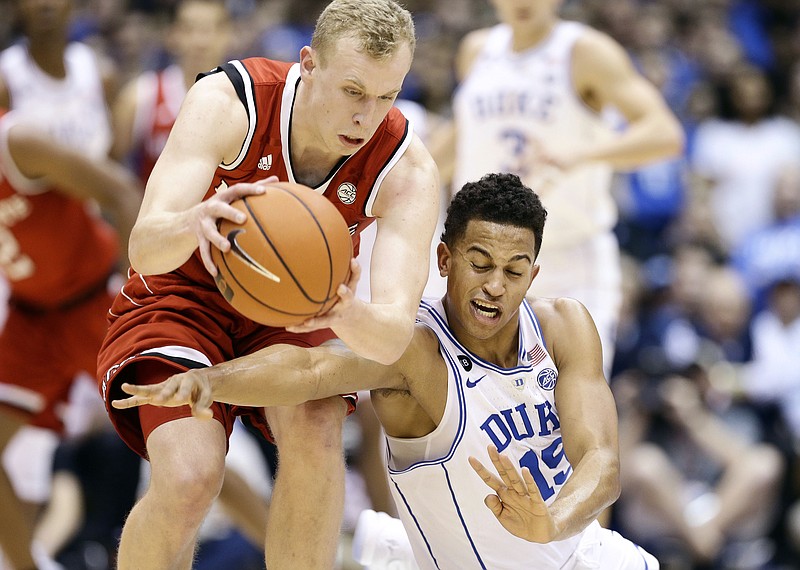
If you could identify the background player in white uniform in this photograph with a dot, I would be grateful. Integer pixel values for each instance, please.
(484, 368)
(58, 85)
(532, 98)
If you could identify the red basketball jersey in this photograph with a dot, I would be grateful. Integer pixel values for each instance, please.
(267, 90)
(159, 95)
(53, 248)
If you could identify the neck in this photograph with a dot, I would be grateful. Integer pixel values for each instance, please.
(48, 53)
(526, 37)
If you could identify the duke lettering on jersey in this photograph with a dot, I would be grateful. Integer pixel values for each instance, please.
(517, 424)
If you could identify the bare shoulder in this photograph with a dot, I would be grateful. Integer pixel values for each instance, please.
(596, 54)
(413, 182)
(211, 117)
(562, 318)
(468, 50)
(213, 88)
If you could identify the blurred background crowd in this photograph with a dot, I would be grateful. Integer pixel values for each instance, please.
(707, 365)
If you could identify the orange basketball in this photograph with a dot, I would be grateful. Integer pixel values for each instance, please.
(288, 259)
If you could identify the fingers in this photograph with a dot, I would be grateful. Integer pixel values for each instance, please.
(488, 477)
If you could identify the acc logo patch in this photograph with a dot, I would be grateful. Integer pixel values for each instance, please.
(346, 193)
(547, 379)
(465, 362)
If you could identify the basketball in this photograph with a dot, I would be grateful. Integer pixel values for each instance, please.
(288, 259)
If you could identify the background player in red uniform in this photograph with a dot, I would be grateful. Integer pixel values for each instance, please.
(57, 254)
(326, 122)
(198, 39)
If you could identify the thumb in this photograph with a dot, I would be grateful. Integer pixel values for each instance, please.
(495, 504)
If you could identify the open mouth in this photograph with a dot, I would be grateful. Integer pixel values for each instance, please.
(351, 141)
(485, 310)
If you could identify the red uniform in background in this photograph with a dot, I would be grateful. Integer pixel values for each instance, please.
(57, 254)
(181, 317)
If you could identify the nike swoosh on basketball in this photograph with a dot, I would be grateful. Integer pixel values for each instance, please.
(242, 254)
(472, 384)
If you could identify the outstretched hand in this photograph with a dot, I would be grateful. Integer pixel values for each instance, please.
(516, 503)
(190, 388)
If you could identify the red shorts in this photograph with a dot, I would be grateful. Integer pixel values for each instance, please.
(41, 353)
(172, 333)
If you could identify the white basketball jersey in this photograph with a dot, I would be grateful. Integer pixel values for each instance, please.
(512, 103)
(440, 497)
(72, 109)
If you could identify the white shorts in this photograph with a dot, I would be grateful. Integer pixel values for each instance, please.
(604, 549)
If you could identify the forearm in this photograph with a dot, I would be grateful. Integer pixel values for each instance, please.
(280, 375)
(161, 242)
(286, 375)
(593, 486)
(644, 141)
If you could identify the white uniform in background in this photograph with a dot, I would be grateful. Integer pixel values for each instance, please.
(440, 497)
(73, 109)
(512, 103)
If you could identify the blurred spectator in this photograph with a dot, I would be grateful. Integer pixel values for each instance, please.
(740, 155)
(700, 485)
(773, 251)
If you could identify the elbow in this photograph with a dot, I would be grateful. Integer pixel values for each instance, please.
(612, 483)
(675, 137)
(392, 351)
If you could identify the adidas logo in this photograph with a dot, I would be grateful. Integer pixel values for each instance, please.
(265, 163)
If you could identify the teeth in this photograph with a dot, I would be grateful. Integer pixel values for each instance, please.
(486, 310)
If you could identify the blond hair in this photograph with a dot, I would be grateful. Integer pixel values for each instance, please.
(379, 26)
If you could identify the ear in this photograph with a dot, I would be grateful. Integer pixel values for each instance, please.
(443, 258)
(534, 273)
(308, 61)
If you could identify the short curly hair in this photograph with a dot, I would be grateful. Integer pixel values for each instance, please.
(497, 198)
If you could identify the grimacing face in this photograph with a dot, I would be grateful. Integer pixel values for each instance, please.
(489, 271)
(351, 92)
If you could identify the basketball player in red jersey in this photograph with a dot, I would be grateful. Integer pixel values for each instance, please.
(145, 109)
(57, 256)
(326, 122)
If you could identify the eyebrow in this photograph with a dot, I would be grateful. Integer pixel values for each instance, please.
(363, 87)
(518, 257)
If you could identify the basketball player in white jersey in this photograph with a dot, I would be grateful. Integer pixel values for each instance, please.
(59, 85)
(485, 368)
(533, 97)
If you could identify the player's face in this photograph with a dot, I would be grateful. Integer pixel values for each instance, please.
(488, 274)
(201, 35)
(351, 92)
(526, 12)
(42, 17)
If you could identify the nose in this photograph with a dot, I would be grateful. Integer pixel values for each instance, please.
(495, 284)
(365, 113)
